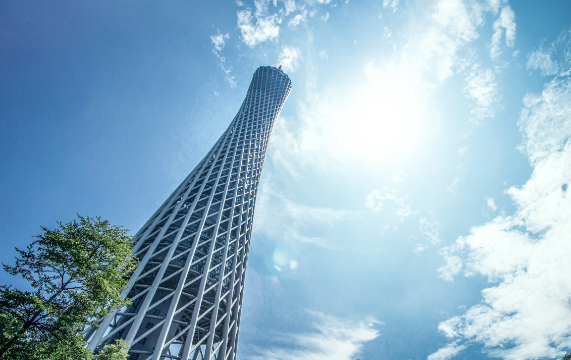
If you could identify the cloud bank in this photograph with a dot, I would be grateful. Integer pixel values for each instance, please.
(526, 315)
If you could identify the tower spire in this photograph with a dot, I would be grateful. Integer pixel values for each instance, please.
(193, 252)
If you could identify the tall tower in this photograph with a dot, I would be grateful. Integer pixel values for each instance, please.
(193, 252)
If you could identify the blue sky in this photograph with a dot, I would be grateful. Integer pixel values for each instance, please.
(413, 203)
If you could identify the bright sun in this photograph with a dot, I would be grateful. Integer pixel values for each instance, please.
(381, 121)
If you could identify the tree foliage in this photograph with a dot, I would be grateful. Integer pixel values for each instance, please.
(77, 273)
(117, 351)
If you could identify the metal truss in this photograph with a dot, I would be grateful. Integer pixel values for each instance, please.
(188, 287)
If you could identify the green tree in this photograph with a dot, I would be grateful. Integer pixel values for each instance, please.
(117, 351)
(77, 273)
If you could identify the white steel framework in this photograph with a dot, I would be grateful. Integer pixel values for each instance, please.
(187, 289)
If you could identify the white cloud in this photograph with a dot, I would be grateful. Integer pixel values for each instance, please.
(430, 230)
(452, 267)
(372, 201)
(482, 88)
(333, 339)
(541, 59)
(544, 120)
(323, 55)
(294, 147)
(420, 248)
(453, 263)
(288, 58)
(397, 178)
(404, 209)
(448, 29)
(491, 203)
(447, 352)
(555, 59)
(289, 6)
(239, 3)
(526, 254)
(260, 27)
(386, 33)
(298, 19)
(462, 151)
(454, 186)
(393, 4)
(375, 201)
(325, 17)
(219, 41)
(505, 21)
(508, 22)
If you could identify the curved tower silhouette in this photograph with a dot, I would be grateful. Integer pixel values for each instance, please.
(193, 252)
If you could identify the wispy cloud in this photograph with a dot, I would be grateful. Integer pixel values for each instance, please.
(280, 218)
(447, 352)
(482, 88)
(298, 19)
(219, 41)
(554, 59)
(505, 21)
(454, 186)
(290, 6)
(491, 203)
(524, 254)
(386, 33)
(264, 24)
(288, 58)
(420, 248)
(453, 263)
(544, 120)
(450, 27)
(392, 4)
(332, 339)
(430, 229)
(260, 27)
(374, 200)
(397, 204)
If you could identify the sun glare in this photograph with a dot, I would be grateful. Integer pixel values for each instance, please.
(383, 120)
(389, 110)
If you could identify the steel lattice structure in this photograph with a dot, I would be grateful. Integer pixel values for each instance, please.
(187, 290)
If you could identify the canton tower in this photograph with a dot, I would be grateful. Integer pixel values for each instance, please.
(188, 287)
